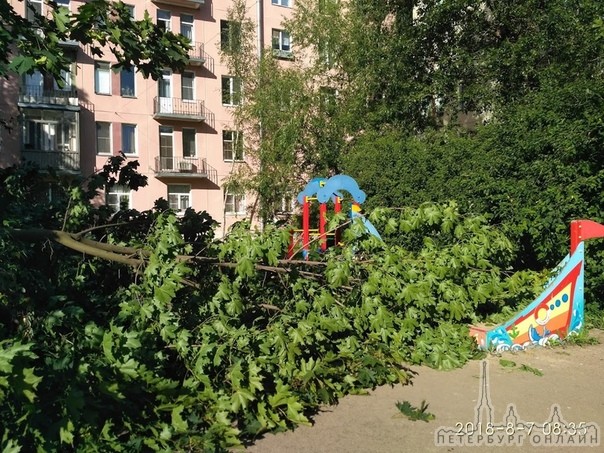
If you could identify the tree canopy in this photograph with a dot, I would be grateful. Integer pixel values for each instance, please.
(34, 42)
(493, 104)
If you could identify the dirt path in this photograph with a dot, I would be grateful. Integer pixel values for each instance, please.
(572, 378)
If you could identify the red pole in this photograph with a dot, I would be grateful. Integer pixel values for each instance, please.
(305, 226)
(337, 209)
(575, 235)
(322, 222)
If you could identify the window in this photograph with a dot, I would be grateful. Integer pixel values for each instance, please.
(127, 82)
(280, 2)
(163, 19)
(42, 84)
(230, 36)
(234, 204)
(50, 138)
(232, 145)
(66, 83)
(188, 143)
(179, 197)
(33, 7)
(187, 86)
(231, 90)
(281, 43)
(129, 138)
(40, 135)
(186, 26)
(103, 138)
(166, 148)
(288, 204)
(165, 84)
(118, 197)
(130, 8)
(326, 53)
(102, 78)
(327, 98)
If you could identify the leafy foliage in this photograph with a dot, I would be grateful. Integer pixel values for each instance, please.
(186, 351)
(531, 369)
(34, 43)
(415, 413)
(494, 105)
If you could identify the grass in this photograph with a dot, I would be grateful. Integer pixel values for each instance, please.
(523, 367)
(581, 339)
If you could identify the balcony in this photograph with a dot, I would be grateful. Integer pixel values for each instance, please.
(37, 96)
(283, 54)
(184, 167)
(70, 44)
(197, 56)
(180, 109)
(57, 160)
(194, 4)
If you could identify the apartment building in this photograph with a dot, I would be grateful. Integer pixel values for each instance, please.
(179, 128)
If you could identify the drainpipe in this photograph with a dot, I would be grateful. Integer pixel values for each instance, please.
(260, 26)
(260, 43)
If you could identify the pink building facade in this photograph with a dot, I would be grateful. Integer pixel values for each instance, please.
(179, 128)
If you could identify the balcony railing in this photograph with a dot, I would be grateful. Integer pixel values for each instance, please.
(59, 160)
(185, 167)
(197, 55)
(35, 94)
(181, 109)
(195, 4)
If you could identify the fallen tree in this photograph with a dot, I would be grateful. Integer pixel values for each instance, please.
(121, 335)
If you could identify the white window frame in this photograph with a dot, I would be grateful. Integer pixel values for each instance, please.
(102, 68)
(166, 131)
(234, 204)
(120, 192)
(109, 138)
(232, 91)
(164, 84)
(165, 17)
(288, 204)
(189, 130)
(284, 3)
(186, 23)
(182, 86)
(29, 13)
(279, 37)
(67, 77)
(229, 139)
(178, 197)
(134, 152)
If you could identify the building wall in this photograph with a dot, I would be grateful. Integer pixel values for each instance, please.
(206, 193)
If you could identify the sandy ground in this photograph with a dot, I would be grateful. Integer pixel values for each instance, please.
(572, 379)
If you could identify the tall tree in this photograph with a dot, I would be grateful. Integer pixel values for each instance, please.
(286, 116)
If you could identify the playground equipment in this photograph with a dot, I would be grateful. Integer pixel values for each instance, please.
(557, 312)
(323, 190)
